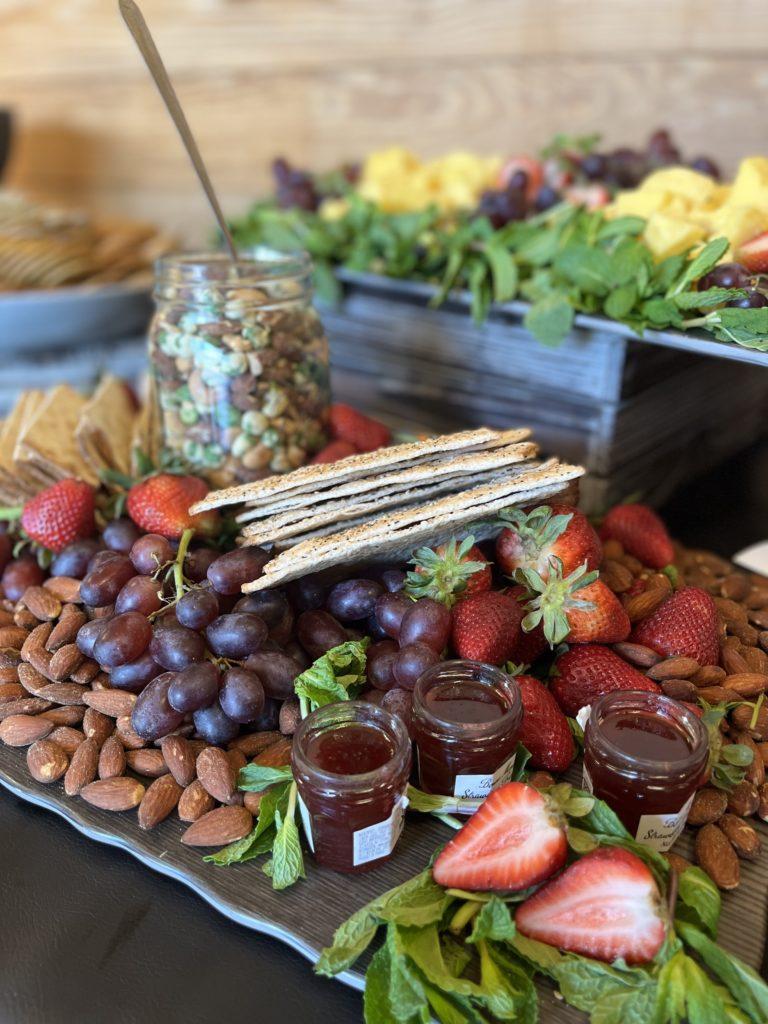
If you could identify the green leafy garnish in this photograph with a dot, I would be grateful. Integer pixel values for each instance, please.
(335, 676)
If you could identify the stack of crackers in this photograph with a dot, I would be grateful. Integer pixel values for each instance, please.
(60, 433)
(384, 503)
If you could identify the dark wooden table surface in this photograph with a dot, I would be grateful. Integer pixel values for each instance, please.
(88, 935)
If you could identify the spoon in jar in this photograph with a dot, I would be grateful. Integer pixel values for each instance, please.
(137, 26)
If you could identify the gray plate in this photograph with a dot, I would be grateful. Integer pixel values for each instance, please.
(305, 916)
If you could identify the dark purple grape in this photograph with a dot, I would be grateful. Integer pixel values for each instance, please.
(277, 672)
(353, 600)
(140, 594)
(152, 716)
(214, 725)
(149, 552)
(374, 630)
(269, 719)
(318, 632)
(134, 675)
(546, 198)
(400, 702)
(236, 635)
(6, 550)
(197, 609)
(412, 661)
(393, 580)
(389, 611)
(372, 696)
(73, 560)
(230, 571)
(428, 622)
(501, 207)
(197, 563)
(124, 638)
(726, 275)
(19, 574)
(518, 181)
(626, 167)
(174, 646)
(594, 166)
(752, 300)
(299, 655)
(705, 165)
(100, 557)
(242, 695)
(380, 663)
(308, 593)
(195, 687)
(102, 584)
(661, 149)
(89, 633)
(269, 605)
(120, 535)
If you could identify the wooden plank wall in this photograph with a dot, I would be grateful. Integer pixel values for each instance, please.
(326, 80)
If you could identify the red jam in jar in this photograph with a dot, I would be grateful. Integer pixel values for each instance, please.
(351, 762)
(645, 755)
(466, 717)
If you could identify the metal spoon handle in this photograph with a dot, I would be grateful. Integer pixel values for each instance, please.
(137, 26)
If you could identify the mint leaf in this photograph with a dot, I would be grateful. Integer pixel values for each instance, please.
(493, 922)
(498, 991)
(406, 992)
(350, 941)
(586, 267)
(287, 863)
(611, 993)
(661, 313)
(700, 898)
(700, 265)
(255, 778)
(685, 994)
(601, 819)
(550, 319)
(706, 299)
(744, 984)
(621, 226)
(541, 956)
(620, 301)
(334, 676)
(451, 1009)
(376, 1005)
(503, 271)
(253, 845)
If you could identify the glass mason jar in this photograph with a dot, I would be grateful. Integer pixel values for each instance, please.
(351, 762)
(645, 755)
(466, 718)
(240, 364)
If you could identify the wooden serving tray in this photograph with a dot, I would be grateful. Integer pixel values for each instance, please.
(305, 916)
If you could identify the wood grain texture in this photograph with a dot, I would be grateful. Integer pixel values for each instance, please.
(326, 80)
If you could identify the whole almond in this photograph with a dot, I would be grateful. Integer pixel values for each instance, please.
(762, 750)
(24, 618)
(253, 743)
(742, 836)
(65, 588)
(237, 759)
(677, 863)
(716, 856)
(219, 827)
(755, 772)
(278, 755)
(46, 760)
(100, 682)
(641, 606)
(179, 755)
(63, 693)
(744, 799)
(709, 675)
(673, 668)
(731, 612)
(36, 640)
(82, 768)
(743, 717)
(130, 738)
(749, 635)
(158, 801)
(195, 802)
(708, 805)
(634, 565)
(756, 598)
(32, 680)
(21, 730)
(66, 629)
(117, 794)
(758, 617)
(290, 715)
(616, 576)
(68, 738)
(64, 661)
(9, 674)
(44, 605)
(10, 691)
(115, 703)
(69, 714)
(97, 726)
(732, 643)
(714, 694)
(637, 654)
(612, 549)
(147, 761)
(756, 659)
(13, 637)
(216, 774)
(85, 672)
(111, 759)
(732, 662)
(6, 617)
(23, 706)
(735, 586)
(762, 806)
(252, 802)
(679, 689)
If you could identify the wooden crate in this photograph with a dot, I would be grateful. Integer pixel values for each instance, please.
(642, 417)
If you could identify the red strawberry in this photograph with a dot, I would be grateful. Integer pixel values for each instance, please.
(592, 196)
(533, 170)
(578, 607)
(585, 673)
(754, 254)
(686, 623)
(529, 646)
(486, 626)
(641, 533)
(364, 433)
(532, 539)
(545, 731)
(60, 514)
(333, 452)
(161, 503)
(449, 573)
(514, 840)
(605, 905)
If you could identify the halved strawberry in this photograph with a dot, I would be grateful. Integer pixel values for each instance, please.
(754, 254)
(532, 539)
(450, 572)
(605, 905)
(516, 839)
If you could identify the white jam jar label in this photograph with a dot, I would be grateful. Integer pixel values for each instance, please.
(379, 840)
(481, 785)
(661, 831)
(306, 821)
(586, 780)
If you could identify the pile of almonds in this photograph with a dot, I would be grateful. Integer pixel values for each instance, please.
(58, 704)
(724, 835)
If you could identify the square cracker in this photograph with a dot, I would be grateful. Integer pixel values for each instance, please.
(47, 445)
(104, 430)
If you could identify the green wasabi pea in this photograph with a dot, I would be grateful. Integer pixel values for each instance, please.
(254, 422)
(233, 364)
(192, 452)
(271, 437)
(229, 415)
(241, 444)
(188, 414)
(212, 454)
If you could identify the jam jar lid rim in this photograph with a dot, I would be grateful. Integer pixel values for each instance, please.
(265, 263)
(652, 762)
(478, 729)
(359, 779)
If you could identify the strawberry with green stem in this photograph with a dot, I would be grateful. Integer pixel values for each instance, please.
(161, 503)
(685, 624)
(530, 540)
(449, 573)
(58, 515)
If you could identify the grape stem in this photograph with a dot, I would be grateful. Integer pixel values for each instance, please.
(181, 554)
(448, 819)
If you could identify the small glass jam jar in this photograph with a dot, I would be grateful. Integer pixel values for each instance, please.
(239, 364)
(466, 718)
(351, 762)
(645, 755)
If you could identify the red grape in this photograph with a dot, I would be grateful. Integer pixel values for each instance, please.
(393, 580)
(120, 535)
(236, 635)
(242, 695)
(134, 675)
(101, 556)
(270, 605)
(307, 593)
(197, 609)
(73, 560)
(197, 686)
(276, 671)
(197, 562)
(352, 600)
(19, 574)
(89, 633)
(427, 622)
(140, 594)
(318, 632)
(174, 646)
(124, 638)
(389, 611)
(269, 718)
(726, 275)
(380, 662)
(230, 571)
(152, 716)
(412, 661)
(102, 584)
(149, 552)
(214, 725)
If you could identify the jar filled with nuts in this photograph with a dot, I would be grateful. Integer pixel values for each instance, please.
(240, 363)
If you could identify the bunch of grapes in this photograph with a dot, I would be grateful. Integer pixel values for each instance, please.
(294, 188)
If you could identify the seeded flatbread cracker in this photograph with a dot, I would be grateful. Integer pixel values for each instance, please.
(16, 485)
(313, 477)
(47, 445)
(404, 530)
(105, 429)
